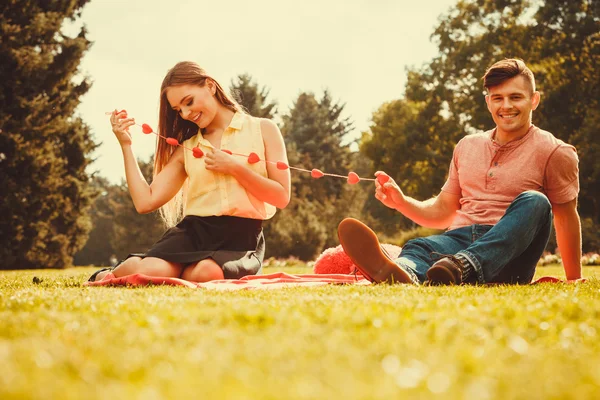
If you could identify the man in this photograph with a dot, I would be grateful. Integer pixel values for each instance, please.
(503, 189)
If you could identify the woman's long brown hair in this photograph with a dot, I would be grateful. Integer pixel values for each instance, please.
(170, 124)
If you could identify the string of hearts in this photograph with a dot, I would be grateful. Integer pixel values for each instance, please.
(352, 177)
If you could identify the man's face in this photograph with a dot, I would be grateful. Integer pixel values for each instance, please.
(511, 103)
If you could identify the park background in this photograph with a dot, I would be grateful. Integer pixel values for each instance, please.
(354, 86)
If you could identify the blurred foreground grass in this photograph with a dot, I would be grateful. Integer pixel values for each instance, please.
(61, 340)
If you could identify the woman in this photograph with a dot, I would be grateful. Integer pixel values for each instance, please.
(222, 197)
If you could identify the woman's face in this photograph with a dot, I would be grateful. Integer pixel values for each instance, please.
(194, 103)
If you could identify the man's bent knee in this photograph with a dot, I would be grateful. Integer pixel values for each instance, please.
(538, 199)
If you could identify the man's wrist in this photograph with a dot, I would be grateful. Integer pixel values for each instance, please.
(400, 204)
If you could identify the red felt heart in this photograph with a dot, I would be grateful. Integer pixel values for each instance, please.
(198, 153)
(353, 178)
(382, 178)
(316, 173)
(172, 141)
(253, 158)
(146, 128)
(282, 165)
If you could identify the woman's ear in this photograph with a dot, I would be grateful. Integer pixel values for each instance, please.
(212, 86)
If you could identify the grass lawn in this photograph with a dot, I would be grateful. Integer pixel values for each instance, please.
(59, 340)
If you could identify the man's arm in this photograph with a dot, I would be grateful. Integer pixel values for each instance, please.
(568, 236)
(437, 212)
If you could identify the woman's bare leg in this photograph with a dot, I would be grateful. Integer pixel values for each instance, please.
(203, 271)
(101, 275)
(150, 266)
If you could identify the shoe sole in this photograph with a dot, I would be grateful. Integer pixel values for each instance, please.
(440, 275)
(361, 245)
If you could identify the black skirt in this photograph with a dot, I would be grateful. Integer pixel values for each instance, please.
(236, 244)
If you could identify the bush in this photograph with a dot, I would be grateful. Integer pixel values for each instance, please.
(549, 259)
(296, 231)
(590, 259)
(590, 235)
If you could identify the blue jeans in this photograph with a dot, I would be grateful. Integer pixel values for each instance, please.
(507, 252)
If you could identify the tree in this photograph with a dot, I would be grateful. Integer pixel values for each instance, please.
(558, 39)
(117, 227)
(133, 232)
(569, 59)
(98, 247)
(411, 153)
(45, 146)
(252, 98)
(314, 131)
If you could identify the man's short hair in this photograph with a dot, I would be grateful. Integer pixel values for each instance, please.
(505, 70)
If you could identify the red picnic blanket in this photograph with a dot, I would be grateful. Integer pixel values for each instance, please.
(267, 281)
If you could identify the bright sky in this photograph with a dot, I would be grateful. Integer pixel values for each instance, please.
(357, 49)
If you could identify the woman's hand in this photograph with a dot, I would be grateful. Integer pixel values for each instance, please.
(120, 126)
(221, 162)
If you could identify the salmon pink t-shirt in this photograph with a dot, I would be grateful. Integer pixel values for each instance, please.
(488, 176)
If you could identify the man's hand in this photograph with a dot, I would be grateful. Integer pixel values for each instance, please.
(389, 193)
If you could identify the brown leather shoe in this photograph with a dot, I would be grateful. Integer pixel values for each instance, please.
(446, 271)
(362, 246)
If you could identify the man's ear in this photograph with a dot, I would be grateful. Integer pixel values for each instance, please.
(487, 102)
(535, 100)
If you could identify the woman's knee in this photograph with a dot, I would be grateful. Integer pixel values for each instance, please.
(127, 267)
(151, 266)
(203, 271)
(158, 267)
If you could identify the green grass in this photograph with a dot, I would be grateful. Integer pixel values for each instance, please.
(60, 340)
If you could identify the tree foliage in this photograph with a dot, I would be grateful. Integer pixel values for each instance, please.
(45, 146)
(117, 227)
(412, 153)
(314, 131)
(98, 247)
(558, 39)
(133, 232)
(254, 99)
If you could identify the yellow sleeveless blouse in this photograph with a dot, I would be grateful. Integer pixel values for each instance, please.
(210, 193)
